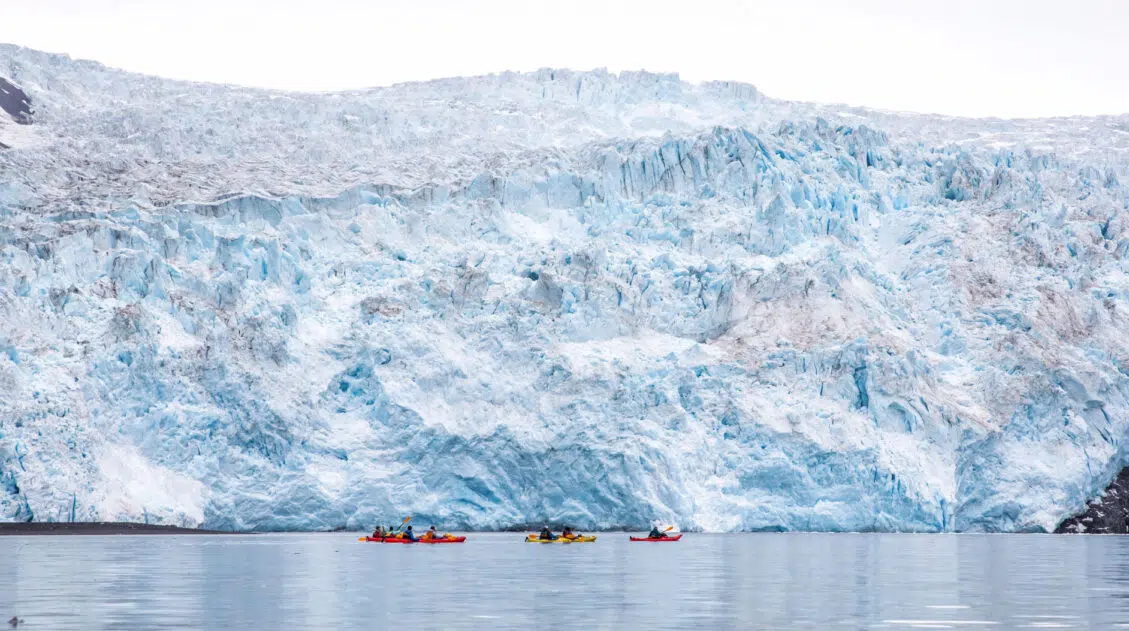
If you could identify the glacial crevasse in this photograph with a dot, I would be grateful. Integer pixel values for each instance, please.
(588, 298)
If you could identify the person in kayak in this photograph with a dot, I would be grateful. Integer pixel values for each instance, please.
(656, 533)
(567, 533)
(409, 535)
(378, 533)
(432, 535)
(547, 535)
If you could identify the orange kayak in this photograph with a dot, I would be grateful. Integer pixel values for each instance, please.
(442, 540)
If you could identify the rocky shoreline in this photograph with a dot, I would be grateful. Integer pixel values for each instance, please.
(101, 528)
(1107, 514)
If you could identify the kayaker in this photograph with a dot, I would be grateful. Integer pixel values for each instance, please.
(409, 535)
(431, 534)
(567, 533)
(656, 533)
(547, 535)
(378, 533)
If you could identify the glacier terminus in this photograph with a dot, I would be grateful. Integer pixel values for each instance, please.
(578, 297)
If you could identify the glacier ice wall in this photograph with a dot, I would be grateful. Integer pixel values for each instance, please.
(581, 297)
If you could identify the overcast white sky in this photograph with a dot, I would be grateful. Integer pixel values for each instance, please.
(966, 57)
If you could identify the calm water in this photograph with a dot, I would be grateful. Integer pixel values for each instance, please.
(752, 581)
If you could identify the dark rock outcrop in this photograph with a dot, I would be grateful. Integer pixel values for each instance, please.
(1108, 514)
(15, 102)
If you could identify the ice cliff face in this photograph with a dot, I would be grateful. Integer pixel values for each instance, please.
(581, 297)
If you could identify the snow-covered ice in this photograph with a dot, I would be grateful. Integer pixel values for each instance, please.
(585, 297)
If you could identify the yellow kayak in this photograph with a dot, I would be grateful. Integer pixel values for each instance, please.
(537, 539)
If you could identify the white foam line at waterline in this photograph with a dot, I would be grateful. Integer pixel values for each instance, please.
(935, 622)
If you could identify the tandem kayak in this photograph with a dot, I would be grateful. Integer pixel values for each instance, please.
(672, 538)
(427, 541)
(442, 540)
(538, 539)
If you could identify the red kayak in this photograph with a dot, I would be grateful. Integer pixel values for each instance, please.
(674, 538)
(428, 541)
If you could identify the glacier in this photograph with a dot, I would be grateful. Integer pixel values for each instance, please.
(577, 297)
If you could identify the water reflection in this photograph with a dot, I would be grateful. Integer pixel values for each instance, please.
(757, 581)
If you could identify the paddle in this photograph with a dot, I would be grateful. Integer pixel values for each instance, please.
(402, 524)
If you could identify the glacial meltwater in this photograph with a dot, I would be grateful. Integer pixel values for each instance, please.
(496, 581)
